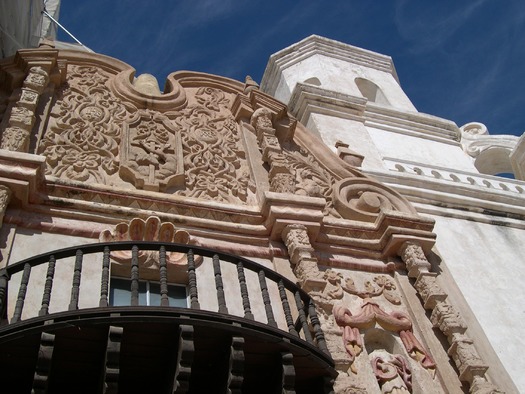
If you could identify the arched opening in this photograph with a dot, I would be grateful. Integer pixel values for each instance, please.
(495, 161)
(371, 91)
(313, 81)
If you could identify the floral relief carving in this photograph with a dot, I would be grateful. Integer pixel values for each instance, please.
(310, 178)
(151, 153)
(214, 162)
(381, 285)
(82, 139)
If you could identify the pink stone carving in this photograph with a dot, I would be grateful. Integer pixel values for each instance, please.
(393, 373)
(151, 229)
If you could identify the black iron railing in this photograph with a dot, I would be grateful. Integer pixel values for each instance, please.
(294, 307)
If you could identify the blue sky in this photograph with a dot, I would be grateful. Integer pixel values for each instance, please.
(457, 59)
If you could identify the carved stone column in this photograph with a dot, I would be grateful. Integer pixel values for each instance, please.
(295, 237)
(281, 179)
(22, 117)
(444, 316)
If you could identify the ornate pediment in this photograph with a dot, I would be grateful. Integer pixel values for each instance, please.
(206, 150)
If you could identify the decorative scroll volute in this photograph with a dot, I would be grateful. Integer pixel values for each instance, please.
(392, 372)
(173, 97)
(363, 199)
(151, 153)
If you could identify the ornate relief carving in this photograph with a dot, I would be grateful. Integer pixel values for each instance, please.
(82, 139)
(17, 133)
(281, 178)
(151, 229)
(371, 314)
(396, 321)
(331, 292)
(382, 285)
(345, 384)
(363, 199)
(151, 153)
(296, 239)
(310, 178)
(414, 258)
(447, 319)
(214, 161)
(481, 386)
(462, 350)
(392, 372)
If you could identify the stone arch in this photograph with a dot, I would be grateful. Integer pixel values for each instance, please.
(494, 160)
(313, 81)
(371, 91)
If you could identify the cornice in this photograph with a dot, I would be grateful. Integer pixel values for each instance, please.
(307, 100)
(476, 197)
(316, 45)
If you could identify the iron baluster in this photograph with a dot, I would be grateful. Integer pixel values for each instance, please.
(163, 273)
(244, 292)
(104, 282)
(46, 297)
(266, 299)
(19, 306)
(134, 275)
(192, 280)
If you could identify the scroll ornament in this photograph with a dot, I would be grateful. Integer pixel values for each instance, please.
(392, 372)
(370, 314)
(151, 229)
(364, 199)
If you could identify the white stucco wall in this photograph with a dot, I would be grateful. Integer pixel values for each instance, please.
(486, 262)
(421, 150)
(339, 76)
(28, 243)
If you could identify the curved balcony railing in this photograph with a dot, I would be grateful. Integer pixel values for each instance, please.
(280, 304)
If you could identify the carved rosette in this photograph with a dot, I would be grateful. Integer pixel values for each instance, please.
(82, 139)
(363, 199)
(151, 153)
(151, 229)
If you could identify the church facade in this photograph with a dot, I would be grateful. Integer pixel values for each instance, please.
(312, 234)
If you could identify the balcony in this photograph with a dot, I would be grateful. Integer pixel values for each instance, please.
(241, 328)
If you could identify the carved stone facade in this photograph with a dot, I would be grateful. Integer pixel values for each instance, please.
(89, 156)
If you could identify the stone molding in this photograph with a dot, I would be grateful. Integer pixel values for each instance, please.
(210, 116)
(517, 158)
(464, 192)
(445, 316)
(314, 44)
(308, 100)
(23, 173)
